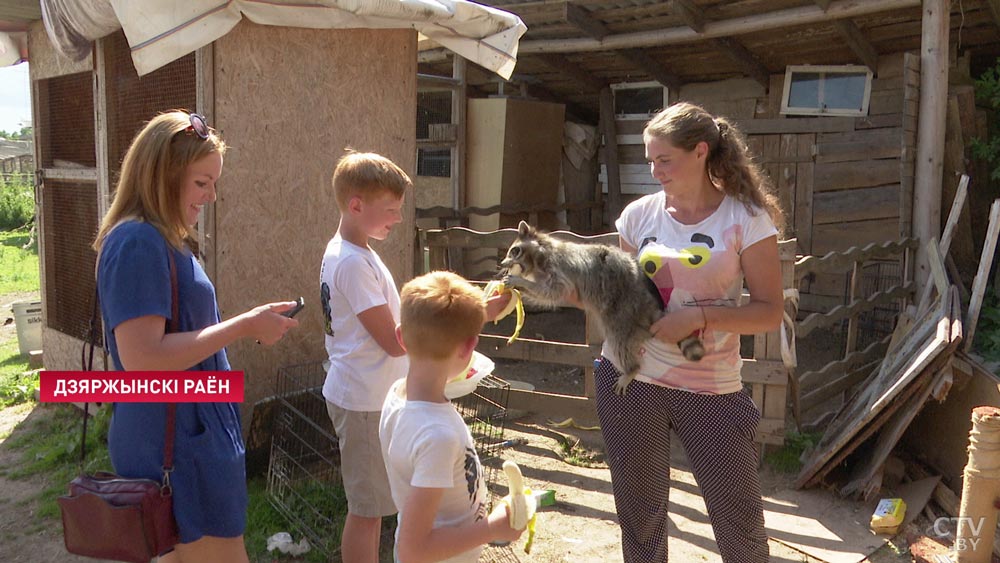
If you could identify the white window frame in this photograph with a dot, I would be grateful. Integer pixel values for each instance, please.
(826, 69)
(636, 86)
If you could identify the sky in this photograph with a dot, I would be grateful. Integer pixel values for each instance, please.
(15, 97)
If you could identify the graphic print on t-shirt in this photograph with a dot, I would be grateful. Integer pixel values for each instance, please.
(473, 481)
(324, 299)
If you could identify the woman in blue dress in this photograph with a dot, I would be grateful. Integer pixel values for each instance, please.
(169, 172)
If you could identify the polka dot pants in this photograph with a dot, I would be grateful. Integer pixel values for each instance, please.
(717, 434)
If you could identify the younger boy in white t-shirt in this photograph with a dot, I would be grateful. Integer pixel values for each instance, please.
(434, 472)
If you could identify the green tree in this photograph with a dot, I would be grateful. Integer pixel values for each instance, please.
(988, 92)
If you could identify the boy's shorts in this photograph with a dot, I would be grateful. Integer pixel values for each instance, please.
(366, 484)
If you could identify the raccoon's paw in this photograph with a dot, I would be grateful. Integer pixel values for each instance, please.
(692, 348)
(622, 384)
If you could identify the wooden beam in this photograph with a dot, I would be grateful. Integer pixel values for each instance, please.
(609, 129)
(929, 167)
(580, 75)
(857, 42)
(581, 19)
(823, 4)
(994, 8)
(800, 15)
(749, 63)
(690, 13)
(651, 66)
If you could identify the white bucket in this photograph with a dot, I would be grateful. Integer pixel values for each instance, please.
(28, 320)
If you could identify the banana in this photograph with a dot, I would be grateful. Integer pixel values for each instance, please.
(497, 287)
(521, 503)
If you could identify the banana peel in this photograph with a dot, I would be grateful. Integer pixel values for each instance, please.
(521, 503)
(497, 287)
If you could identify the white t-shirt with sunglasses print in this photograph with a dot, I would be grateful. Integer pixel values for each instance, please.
(693, 265)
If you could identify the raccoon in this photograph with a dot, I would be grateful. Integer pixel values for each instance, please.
(609, 283)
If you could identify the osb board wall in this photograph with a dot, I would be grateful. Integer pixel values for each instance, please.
(46, 62)
(431, 191)
(62, 352)
(288, 101)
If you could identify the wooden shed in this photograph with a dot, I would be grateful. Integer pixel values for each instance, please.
(288, 97)
(849, 173)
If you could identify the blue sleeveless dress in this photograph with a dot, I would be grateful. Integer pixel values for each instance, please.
(209, 478)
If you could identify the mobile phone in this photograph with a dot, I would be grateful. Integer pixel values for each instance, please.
(300, 303)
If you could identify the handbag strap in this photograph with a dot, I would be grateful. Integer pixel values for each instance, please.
(88, 363)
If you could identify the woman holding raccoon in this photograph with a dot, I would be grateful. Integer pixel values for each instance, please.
(714, 224)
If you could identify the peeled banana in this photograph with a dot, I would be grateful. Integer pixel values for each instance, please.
(497, 287)
(521, 503)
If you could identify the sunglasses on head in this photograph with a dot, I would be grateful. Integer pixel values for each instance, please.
(199, 125)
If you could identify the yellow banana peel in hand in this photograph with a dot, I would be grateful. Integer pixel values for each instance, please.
(521, 504)
(497, 287)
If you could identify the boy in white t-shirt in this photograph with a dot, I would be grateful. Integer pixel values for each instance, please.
(360, 312)
(434, 472)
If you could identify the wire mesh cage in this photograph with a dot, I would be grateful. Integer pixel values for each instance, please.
(485, 413)
(303, 476)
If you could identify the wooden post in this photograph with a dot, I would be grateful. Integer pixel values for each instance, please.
(852, 322)
(930, 129)
(610, 131)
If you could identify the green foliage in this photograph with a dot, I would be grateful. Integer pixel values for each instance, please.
(17, 384)
(17, 205)
(987, 338)
(18, 265)
(786, 460)
(25, 134)
(988, 92)
(50, 446)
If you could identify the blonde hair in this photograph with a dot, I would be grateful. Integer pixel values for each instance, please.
(367, 175)
(729, 165)
(438, 312)
(149, 185)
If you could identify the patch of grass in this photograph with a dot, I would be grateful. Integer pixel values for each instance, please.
(18, 265)
(786, 459)
(50, 447)
(17, 384)
(571, 452)
(17, 204)
(264, 520)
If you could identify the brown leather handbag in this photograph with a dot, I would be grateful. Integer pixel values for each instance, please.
(122, 518)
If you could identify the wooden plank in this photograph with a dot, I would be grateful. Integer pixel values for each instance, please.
(858, 43)
(983, 274)
(823, 394)
(652, 67)
(856, 307)
(581, 19)
(879, 121)
(887, 134)
(527, 349)
(770, 431)
(872, 148)
(804, 206)
(860, 204)
(837, 262)
(467, 238)
(765, 372)
(841, 236)
(746, 60)
(861, 174)
(937, 266)
(608, 128)
(886, 102)
(888, 437)
(580, 409)
(796, 125)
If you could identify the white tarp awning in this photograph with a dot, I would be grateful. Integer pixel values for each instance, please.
(161, 31)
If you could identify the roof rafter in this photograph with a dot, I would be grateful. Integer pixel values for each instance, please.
(581, 19)
(858, 43)
(994, 8)
(690, 13)
(580, 75)
(743, 57)
(651, 66)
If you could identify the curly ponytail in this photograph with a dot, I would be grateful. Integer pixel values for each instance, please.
(729, 166)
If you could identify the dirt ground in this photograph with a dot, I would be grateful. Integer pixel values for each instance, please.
(580, 527)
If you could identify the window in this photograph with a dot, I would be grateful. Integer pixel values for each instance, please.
(826, 90)
(639, 100)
